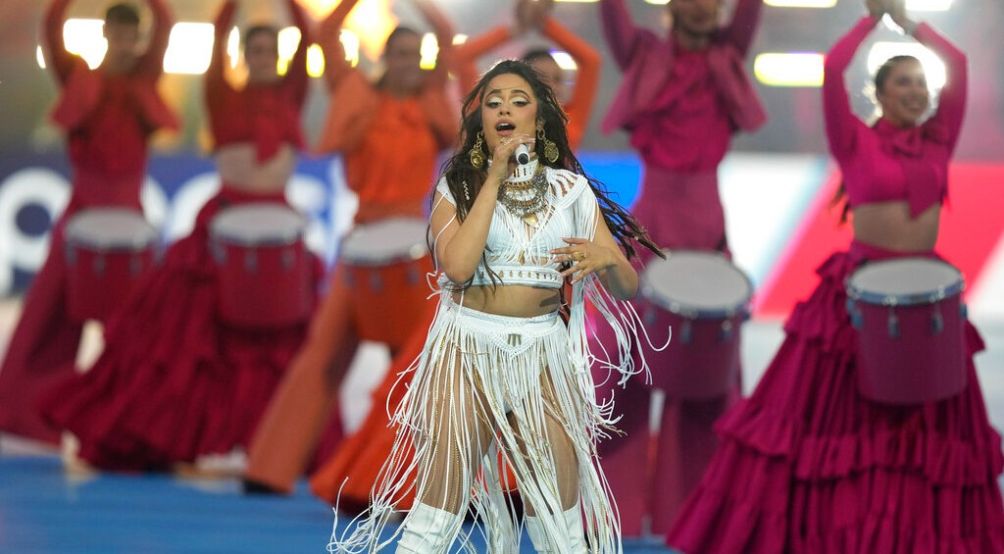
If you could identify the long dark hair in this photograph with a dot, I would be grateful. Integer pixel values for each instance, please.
(465, 180)
(881, 76)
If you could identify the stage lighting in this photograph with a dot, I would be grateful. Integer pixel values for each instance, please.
(801, 3)
(789, 69)
(189, 48)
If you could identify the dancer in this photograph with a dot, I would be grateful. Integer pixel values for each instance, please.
(174, 381)
(531, 14)
(500, 368)
(390, 134)
(108, 115)
(807, 464)
(351, 473)
(682, 99)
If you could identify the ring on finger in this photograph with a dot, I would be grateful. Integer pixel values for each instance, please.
(578, 256)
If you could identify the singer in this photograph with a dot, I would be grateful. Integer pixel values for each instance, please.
(501, 369)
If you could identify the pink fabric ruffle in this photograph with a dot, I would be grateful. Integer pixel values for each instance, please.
(807, 465)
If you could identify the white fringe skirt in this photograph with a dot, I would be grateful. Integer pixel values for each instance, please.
(489, 385)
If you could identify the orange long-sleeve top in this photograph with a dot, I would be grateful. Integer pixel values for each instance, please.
(579, 105)
(390, 144)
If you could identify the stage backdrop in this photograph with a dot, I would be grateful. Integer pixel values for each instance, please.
(781, 219)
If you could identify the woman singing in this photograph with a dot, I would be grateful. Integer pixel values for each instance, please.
(501, 369)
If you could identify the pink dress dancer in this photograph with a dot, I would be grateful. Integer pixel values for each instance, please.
(806, 464)
(681, 108)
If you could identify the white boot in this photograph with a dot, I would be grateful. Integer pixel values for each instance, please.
(428, 530)
(571, 540)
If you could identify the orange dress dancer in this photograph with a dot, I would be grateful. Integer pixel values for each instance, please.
(108, 115)
(180, 378)
(390, 133)
(353, 469)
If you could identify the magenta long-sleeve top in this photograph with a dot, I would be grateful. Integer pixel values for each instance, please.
(686, 120)
(883, 162)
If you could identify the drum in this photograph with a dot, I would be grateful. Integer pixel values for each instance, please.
(910, 323)
(704, 298)
(265, 272)
(108, 250)
(385, 264)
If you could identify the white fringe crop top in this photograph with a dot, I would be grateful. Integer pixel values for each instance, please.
(520, 253)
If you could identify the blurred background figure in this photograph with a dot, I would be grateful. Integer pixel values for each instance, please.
(390, 132)
(682, 99)
(192, 359)
(107, 114)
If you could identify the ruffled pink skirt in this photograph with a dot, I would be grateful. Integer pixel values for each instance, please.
(807, 465)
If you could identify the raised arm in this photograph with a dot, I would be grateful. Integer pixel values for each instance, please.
(742, 28)
(619, 31)
(467, 54)
(443, 29)
(952, 100)
(296, 77)
(588, 60)
(60, 61)
(841, 123)
(336, 67)
(152, 61)
(215, 81)
(460, 245)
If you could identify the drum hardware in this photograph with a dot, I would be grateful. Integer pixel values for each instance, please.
(704, 298)
(106, 251)
(909, 319)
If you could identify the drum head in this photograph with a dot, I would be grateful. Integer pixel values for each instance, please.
(697, 284)
(110, 229)
(905, 282)
(386, 241)
(258, 224)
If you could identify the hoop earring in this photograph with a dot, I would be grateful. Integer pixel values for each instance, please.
(551, 153)
(476, 155)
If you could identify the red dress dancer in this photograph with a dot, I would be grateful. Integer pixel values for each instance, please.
(682, 99)
(390, 134)
(806, 463)
(578, 105)
(174, 382)
(108, 115)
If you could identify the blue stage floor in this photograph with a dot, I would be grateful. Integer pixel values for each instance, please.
(42, 511)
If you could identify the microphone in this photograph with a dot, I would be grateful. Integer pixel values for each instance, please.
(522, 154)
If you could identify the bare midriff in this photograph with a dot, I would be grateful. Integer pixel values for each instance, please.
(888, 225)
(511, 300)
(239, 167)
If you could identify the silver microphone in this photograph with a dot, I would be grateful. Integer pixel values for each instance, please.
(522, 154)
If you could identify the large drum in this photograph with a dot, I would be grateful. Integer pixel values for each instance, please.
(265, 271)
(911, 336)
(107, 251)
(385, 264)
(704, 298)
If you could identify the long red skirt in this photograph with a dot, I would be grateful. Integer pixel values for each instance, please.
(807, 465)
(174, 382)
(43, 348)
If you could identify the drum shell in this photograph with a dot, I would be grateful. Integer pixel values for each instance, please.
(701, 361)
(100, 280)
(389, 300)
(264, 286)
(917, 366)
